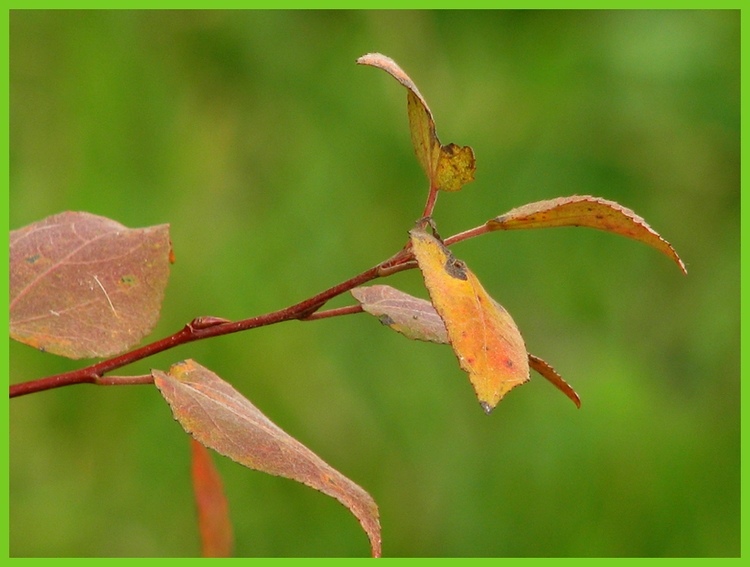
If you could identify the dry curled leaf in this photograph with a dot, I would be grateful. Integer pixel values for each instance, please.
(585, 210)
(483, 335)
(218, 416)
(82, 285)
(448, 167)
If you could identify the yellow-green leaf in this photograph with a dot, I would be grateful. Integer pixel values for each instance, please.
(585, 210)
(448, 167)
(455, 167)
(483, 335)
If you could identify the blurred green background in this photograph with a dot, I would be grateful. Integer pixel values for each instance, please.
(284, 168)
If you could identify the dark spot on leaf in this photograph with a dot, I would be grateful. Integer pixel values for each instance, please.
(386, 320)
(128, 280)
(508, 363)
(455, 268)
(33, 259)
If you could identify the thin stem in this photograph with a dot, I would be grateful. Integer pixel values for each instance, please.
(429, 206)
(348, 310)
(465, 235)
(124, 380)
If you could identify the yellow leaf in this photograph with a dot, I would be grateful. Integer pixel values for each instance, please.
(483, 335)
(423, 135)
(447, 167)
(455, 167)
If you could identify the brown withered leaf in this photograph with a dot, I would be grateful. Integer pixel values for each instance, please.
(82, 285)
(448, 167)
(218, 416)
(585, 210)
(412, 317)
(483, 335)
(213, 511)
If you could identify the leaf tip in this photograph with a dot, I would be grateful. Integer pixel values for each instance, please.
(487, 407)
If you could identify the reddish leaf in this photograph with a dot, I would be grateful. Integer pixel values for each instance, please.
(86, 286)
(221, 418)
(213, 511)
(557, 381)
(584, 210)
(483, 335)
(448, 167)
(413, 317)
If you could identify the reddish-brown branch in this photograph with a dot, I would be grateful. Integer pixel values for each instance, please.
(206, 327)
(203, 328)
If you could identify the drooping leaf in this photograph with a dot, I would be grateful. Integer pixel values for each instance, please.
(417, 319)
(218, 416)
(448, 167)
(552, 375)
(585, 210)
(483, 335)
(82, 285)
(213, 511)
(413, 317)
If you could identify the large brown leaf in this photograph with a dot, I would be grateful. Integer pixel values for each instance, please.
(219, 417)
(82, 285)
(483, 335)
(448, 167)
(585, 210)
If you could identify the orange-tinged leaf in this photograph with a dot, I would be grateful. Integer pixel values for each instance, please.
(218, 416)
(585, 210)
(483, 335)
(412, 317)
(213, 511)
(417, 319)
(448, 167)
(82, 285)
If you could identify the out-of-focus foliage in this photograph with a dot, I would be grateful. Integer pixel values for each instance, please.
(284, 168)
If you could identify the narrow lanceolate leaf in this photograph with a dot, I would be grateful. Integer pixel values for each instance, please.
(82, 285)
(483, 335)
(218, 416)
(551, 374)
(412, 317)
(417, 319)
(448, 167)
(585, 210)
(213, 511)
